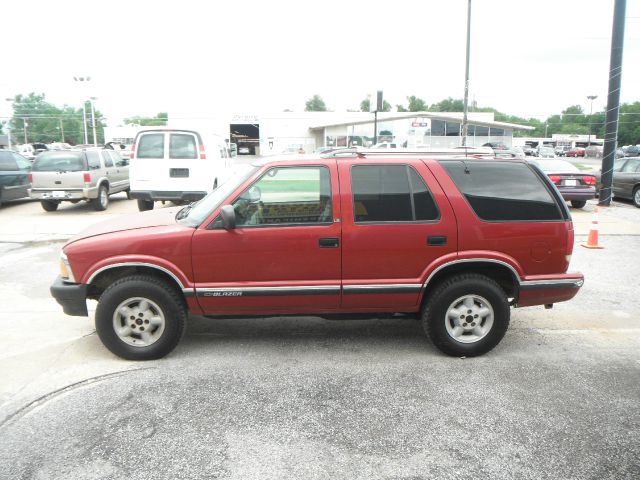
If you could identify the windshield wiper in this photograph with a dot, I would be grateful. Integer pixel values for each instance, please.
(184, 211)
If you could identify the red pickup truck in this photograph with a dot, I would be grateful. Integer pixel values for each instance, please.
(454, 240)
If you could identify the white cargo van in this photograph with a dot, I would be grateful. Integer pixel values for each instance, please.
(176, 165)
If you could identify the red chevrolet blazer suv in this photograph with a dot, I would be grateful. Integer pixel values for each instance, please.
(455, 240)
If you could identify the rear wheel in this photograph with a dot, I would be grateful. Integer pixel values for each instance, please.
(102, 201)
(467, 315)
(49, 205)
(144, 205)
(140, 318)
(578, 203)
(636, 196)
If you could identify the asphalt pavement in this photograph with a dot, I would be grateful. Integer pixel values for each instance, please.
(311, 398)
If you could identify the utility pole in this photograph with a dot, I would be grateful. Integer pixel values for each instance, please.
(592, 98)
(613, 101)
(465, 125)
(84, 121)
(93, 121)
(61, 130)
(25, 124)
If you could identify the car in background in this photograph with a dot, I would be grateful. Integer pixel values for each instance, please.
(14, 176)
(59, 146)
(626, 179)
(518, 152)
(593, 151)
(529, 151)
(560, 150)
(574, 186)
(386, 145)
(496, 145)
(27, 151)
(575, 152)
(632, 151)
(546, 152)
(74, 175)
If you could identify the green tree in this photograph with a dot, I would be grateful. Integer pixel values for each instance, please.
(401, 108)
(448, 105)
(416, 104)
(364, 105)
(629, 125)
(160, 120)
(315, 104)
(45, 122)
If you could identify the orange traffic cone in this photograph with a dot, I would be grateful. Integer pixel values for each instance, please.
(592, 239)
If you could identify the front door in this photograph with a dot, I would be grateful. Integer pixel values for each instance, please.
(284, 254)
(396, 223)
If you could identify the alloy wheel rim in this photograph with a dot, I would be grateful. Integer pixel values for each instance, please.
(138, 322)
(469, 318)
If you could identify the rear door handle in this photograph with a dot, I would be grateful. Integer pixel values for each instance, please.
(437, 240)
(329, 242)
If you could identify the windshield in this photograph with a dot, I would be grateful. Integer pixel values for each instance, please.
(59, 162)
(202, 209)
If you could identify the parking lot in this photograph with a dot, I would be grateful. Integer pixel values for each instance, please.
(310, 398)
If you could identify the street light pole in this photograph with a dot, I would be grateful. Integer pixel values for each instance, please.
(9, 123)
(592, 98)
(465, 125)
(25, 124)
(84, 108)
(93, 121)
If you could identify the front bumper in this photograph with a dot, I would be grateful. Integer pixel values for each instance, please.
(62, 195)
(171, 196)
(72, 297)
(545, 289)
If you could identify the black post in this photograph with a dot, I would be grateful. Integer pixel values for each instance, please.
(613, 101)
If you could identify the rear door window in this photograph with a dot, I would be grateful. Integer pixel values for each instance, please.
(390, 193)
(108, 161)
(151, 145)
(93, 160)
(182, 145)
(503, 191)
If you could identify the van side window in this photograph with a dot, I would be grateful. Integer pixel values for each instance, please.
(182, 145)
(151, 145)
(108, 162)
(93, 160)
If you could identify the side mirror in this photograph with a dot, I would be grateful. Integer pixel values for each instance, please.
(228, 215)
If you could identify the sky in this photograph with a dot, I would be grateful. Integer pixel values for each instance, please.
(197, 59)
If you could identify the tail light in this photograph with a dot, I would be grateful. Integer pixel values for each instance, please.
(589, 179)
(87, 177)
(133, 151)
(202, 153)
(555, 179)
(30, 177)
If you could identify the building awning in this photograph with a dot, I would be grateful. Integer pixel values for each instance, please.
(385, 117)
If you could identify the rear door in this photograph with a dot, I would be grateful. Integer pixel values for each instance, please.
(60, 171)
(626, 178)
(396, 222)
(11, 183)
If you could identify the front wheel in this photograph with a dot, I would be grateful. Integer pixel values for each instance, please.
(144, 205)
(140, 318)
(467, 315)
(578, 203)
(636, 196)
(101, 202)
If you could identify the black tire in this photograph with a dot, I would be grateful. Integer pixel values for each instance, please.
(578, 203)
(128, 192)
(101, 202)
(163, 302)
(636, 196)
(49, 205)
(144, 205)
(479, 289)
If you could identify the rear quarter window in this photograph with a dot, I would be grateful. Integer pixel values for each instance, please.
(7, 162)
(503, 191)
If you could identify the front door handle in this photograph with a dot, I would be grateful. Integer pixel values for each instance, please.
(329, 242)
(437, 240)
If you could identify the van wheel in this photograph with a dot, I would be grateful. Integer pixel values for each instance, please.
(140, 318)
(128, 192)
(578, 203)
(49, 205)
(102, 201)
(467, 315)
(144, 205)
(636, 196)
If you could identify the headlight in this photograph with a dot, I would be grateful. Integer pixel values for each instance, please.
(65, 269)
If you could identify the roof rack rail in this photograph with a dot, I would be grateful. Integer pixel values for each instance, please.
(471, 152)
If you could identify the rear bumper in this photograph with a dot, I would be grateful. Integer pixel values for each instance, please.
(544, 290)
(578, 194)
(177, 196)
(63, 194)
(72, 297)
